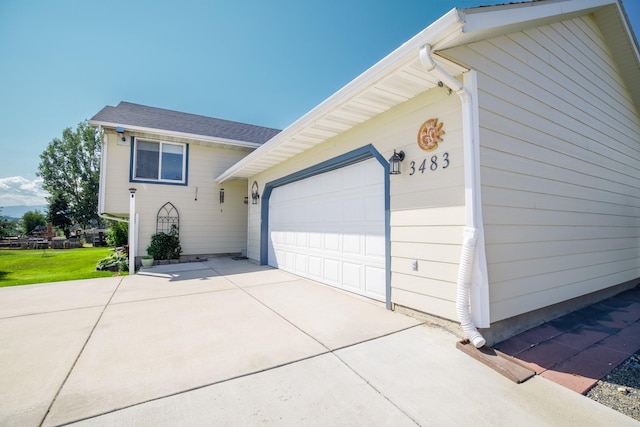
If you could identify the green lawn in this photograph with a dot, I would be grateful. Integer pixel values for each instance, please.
(23, 267)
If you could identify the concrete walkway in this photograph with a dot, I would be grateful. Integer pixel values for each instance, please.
(578, 349)
(227, 342)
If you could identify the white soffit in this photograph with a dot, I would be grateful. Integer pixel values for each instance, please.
(400, 76)
(395, 79)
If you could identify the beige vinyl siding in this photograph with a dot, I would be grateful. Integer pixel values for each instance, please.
(427, 209)
(559, 166)
(206, 226)
(431, 236)
(116, 177)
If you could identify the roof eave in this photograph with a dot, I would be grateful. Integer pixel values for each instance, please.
(452, 29)
(191, 136)
(447, 26)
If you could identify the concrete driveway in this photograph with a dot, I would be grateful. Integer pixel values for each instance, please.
(227, 342)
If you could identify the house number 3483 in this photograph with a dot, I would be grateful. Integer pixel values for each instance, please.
(432, 164)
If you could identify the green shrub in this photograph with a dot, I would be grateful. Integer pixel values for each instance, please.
(165, 246)
(117, 234)
(114, 262)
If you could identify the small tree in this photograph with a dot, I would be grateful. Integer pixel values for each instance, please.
(32, 219)
(118, 234)
(59, 213)
(7, 226)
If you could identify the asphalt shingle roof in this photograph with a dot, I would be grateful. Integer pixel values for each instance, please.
(127, 113)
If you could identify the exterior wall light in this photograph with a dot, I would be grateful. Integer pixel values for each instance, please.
(120, 131)
(254, 193)
(395, 161)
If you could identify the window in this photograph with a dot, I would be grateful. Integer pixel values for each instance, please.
(159, 161)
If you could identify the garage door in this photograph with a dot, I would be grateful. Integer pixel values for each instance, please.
(331, 228)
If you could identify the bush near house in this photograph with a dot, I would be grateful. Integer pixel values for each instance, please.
(165, 246)
(117, 261)
(117, 234)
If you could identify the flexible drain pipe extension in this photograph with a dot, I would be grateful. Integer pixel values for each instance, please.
(470, 234)
(470, 238)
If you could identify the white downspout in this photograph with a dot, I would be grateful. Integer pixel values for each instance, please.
(473, 229)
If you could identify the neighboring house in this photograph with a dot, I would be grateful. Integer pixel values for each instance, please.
(517, 134)
(172, 159)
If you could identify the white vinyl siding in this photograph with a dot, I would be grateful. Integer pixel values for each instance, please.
(559, 166)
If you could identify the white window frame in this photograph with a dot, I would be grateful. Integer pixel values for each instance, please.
(185, 151)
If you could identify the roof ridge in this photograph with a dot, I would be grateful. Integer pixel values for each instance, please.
(191, 114)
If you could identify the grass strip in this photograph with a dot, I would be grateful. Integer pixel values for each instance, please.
(24, 267)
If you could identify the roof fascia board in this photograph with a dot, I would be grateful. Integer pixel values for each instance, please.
(185, 135)
(448, 24)
(633, 41)
(482, 19)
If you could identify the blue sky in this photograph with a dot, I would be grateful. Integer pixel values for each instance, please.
(260, 62)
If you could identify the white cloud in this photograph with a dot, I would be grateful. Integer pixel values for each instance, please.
(16, 190)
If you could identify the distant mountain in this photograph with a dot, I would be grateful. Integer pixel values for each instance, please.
(16, 212)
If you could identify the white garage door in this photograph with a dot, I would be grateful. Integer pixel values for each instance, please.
(331, 228)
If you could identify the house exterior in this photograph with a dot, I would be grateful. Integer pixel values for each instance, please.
(172, 159)
(517, 134)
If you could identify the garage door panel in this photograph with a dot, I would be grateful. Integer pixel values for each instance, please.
(315, 267)
(331, 228)
(351, 244)
(330, 180)
(289, 260)
(315, 241)
(374, 210)
(332, 242)
(353, 210)
(352, 178)
(290, 238)
(371, 173)
(331, 271)
(375, 280)
(375, 246)
(301, 263)
(351, 276)
(302, 239)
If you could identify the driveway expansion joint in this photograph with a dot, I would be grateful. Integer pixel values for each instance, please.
(84, 345)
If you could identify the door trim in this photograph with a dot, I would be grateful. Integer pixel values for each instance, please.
(355, 156)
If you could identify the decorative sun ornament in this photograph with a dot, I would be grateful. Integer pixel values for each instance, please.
(430, 135)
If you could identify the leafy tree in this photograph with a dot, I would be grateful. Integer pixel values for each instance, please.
(32, 219)
(70, 169)
(118, 234)
(7, 226)
(59, 214)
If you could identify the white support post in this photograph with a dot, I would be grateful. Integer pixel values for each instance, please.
(132, 231)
